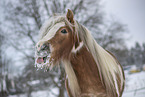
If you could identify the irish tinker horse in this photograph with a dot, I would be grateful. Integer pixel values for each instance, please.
(91, 71)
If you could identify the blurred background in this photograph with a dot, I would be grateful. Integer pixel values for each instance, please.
(117, 25)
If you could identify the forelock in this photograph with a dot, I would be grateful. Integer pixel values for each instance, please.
(49, 24)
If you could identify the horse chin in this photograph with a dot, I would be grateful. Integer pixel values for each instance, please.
(43, 62)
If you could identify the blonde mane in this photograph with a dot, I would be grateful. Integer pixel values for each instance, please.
(73, 83)
(108, 66)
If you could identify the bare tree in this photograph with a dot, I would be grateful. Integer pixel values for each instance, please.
(112, 39)
(136, 55)
(4, 67)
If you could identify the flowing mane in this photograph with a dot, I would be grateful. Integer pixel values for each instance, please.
(109, 69)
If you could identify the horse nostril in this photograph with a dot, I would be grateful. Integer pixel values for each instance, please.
(44, 47)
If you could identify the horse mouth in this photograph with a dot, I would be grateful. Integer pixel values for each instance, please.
(41, 60)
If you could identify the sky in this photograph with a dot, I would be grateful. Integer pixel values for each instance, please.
(131, 13)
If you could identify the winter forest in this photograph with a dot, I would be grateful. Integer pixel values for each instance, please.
(20, 22)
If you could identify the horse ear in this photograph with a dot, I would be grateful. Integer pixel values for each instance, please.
(70, 16)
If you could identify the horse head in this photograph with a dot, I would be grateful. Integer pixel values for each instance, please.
(57, 39)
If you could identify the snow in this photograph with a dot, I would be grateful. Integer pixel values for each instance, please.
(42, 93)
(134, 67)
(22, 95)
(34, 82)
(135, 84)
(135, 87)
(3, 85)
(140, 93)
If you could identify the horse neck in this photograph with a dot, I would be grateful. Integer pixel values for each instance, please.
(86, 71)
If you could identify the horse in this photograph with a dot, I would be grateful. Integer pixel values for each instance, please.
(91, 70)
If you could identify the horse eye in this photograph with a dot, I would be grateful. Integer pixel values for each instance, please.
(63, 31)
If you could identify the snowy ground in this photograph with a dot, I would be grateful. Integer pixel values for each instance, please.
(135, 84)
(135, 87)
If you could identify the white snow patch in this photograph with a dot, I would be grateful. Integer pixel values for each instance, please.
(135, 85)
(34, 82)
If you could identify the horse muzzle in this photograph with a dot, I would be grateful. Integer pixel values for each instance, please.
(42, 55)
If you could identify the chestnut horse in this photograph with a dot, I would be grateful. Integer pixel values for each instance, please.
(91, 71)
